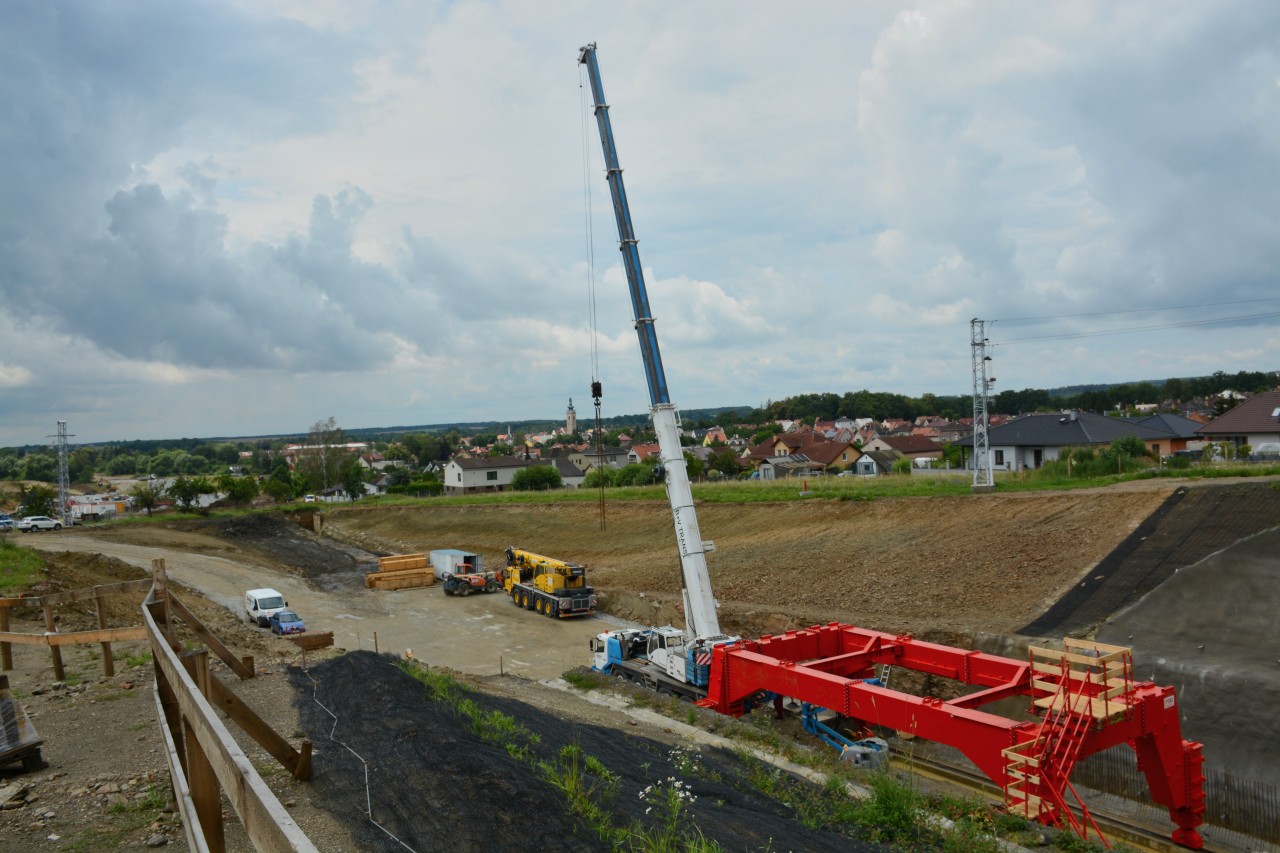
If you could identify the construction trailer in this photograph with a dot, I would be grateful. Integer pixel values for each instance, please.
(451, 561)
(552, 587)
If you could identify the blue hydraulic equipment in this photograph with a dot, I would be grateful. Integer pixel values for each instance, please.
(871, 753)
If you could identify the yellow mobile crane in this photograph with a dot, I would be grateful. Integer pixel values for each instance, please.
(552, 587)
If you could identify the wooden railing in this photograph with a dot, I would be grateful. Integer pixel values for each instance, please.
(104, 635)
(204, 760)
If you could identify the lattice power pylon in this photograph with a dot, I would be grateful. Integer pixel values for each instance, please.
(64, 479)
(983, 474)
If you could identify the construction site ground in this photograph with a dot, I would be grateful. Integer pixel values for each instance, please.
(946, 568)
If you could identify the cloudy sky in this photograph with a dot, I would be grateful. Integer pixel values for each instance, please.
(238, 218)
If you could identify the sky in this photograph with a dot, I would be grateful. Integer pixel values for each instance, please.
(239, 218)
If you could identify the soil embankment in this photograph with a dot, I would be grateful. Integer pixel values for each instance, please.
(937, 564)
(1213, 632)
(1189, 526)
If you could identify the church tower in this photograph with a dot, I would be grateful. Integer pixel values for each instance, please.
(570, 419)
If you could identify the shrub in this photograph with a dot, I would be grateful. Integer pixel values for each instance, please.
(537, 478)
(902, 466)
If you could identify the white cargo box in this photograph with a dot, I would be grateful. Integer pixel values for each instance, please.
(449, 561)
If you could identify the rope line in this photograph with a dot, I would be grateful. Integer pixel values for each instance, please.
(1139, 310)
(368, 795)
(590, 225)
(1135, 329)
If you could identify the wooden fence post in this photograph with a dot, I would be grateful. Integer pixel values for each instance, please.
(160, 584)
(108, 665)
(203, 782)
(6, 649)
(59, 674)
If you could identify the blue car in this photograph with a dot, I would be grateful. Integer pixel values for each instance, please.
(6, 523)
(286, 622)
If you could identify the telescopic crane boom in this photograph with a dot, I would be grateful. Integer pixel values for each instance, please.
(699, 604)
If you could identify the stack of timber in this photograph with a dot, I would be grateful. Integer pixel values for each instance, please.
(401, 572)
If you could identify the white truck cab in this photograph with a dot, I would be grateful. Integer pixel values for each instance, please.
(260, 604)
(666, 651)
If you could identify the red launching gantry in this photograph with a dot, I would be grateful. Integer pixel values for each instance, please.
(1085, 697)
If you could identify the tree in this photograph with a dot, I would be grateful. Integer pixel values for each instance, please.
(146, 496)
(399, 477)
(724, 461)
(278, 491)
(902, 466)
(240, 490)
(351, 475)
(325, 454)
(536, 478)
(727, 419)
(187, 491)
(693, 465)
(38, 500)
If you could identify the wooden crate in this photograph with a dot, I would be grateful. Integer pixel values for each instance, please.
(405, 579)
(402, 561)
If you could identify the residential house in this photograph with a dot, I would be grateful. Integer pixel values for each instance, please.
(792, 465)
(472, 476)
(736, 442)
(1028, 441)
(640, 452)
(1253, 422)
(950, 432)
(829, 453)
(375, 462)
(874, 463)
(1180, 429)
(714, 434)
(614, 457)
(378, 485)
(910, 446)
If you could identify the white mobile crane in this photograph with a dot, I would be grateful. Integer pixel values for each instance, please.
(668, 659)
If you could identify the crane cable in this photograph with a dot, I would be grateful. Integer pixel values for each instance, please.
(596, 386)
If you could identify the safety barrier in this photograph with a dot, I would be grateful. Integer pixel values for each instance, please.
(204, 760)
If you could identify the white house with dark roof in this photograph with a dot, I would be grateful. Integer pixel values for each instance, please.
(1028, 441)
(473, 476)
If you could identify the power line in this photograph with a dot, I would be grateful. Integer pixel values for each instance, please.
(1187, 324)
(1136, 310)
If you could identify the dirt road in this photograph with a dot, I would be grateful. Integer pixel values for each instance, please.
(467, 634)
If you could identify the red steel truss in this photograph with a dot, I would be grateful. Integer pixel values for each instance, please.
(1085, 698)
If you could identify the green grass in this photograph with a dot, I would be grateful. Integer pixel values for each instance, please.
(584, 681)
(125, 818)
(19, 566)
(131, 661)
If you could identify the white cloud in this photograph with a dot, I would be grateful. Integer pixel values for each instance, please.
(251, 216)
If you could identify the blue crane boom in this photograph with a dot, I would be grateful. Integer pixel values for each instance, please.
(700, 610)
(649, 351)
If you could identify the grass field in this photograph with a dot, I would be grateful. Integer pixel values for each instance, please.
(758, 491)
(19, 566)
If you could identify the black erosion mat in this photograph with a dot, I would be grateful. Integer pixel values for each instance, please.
(438, 780)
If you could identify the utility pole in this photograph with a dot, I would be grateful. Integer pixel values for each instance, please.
(64, 480)
(983, 475)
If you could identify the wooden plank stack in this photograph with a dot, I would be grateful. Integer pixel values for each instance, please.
(403, 571)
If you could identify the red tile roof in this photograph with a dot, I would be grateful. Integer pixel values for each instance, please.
(910, 443)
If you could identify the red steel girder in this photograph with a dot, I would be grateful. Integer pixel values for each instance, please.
(824, 665)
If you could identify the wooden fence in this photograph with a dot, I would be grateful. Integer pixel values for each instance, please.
(104, 635)
(204, 760)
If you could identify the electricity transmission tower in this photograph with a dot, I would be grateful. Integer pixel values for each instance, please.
(64, 481)
(983, 476)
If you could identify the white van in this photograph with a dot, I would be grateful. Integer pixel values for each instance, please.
(260, 604)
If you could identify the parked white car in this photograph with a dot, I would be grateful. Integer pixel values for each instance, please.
(261, 604)
(33, 523)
